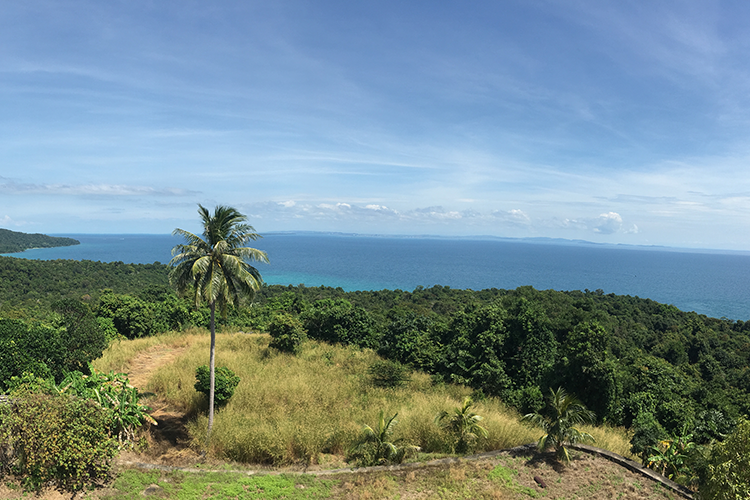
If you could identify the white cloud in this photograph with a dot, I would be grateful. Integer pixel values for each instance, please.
(287, 204)
(8, 221)
(608, 223)
(514, 217)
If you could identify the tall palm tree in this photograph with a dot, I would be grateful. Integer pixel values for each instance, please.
(565, 412)
(215, 269)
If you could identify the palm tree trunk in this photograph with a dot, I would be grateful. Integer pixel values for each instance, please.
(212, 375)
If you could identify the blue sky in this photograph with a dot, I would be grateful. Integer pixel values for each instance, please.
(608, 121)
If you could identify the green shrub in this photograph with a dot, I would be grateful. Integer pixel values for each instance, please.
(388, 373)
(648, 433)
(224, 384)
(118, 398)
(55, 439)
(728, 474)
(376, 447)
(339, 321)
(287, 333)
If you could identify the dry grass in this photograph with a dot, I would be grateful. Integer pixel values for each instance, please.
(303, 409)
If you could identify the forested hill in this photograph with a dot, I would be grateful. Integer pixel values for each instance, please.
(41, 282)
(14, 241)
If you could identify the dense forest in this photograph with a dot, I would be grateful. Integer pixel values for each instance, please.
(14, 241)
(634, 362)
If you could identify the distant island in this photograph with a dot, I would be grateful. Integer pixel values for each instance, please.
(14, 241)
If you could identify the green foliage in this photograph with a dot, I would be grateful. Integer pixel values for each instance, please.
(14, 241)
(711, 425)
(474, 344)
(387, 373)
(648, 433)
(532, 345)
(55, 439)
(588, 369)
(34, 284)
(464, 425)
(338, 321)
(215, 269)
(728, 471)
(564, 413)
(113, 392)
(375, 446)
(17, 353)
(287, 333)
(528, 399)
(131, 317)
(47, 350)
(225, 383)
(82, 341)
(675, 457)
(407, 339)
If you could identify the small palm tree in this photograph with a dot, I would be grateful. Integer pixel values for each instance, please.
(375, 446)
(215, 269)
(463, 424)
(565, 412)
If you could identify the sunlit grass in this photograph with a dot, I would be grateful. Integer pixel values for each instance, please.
(120, 353)
(292, 409)
(614, 439)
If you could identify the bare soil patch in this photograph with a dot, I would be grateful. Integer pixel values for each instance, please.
(146, 363)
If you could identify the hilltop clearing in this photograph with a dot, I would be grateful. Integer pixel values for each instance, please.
(325, 392)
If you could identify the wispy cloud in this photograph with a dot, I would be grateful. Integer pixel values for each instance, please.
(11, 187)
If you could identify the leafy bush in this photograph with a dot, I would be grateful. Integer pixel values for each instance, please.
(386, 373)
(132, 317)
(55, 439)
(225, 382)
(728, 474)
(287, 332)
(648, 433)
(118, 398)
(71, 344)
(340, 321)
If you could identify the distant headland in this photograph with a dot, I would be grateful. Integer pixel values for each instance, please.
(14, 241)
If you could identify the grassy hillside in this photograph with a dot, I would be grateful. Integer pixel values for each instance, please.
(307, 410)
(311, 408)
(14, 241)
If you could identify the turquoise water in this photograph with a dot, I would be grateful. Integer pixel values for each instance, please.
(714, 284)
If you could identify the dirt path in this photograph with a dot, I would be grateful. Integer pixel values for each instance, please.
(167, 441)
(146, 363)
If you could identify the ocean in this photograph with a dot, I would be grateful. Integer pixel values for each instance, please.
(712, 283)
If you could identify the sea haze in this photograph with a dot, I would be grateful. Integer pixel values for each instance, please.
(715, 284)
